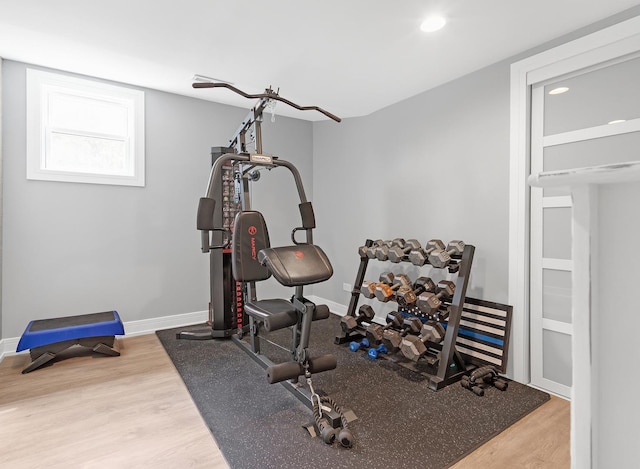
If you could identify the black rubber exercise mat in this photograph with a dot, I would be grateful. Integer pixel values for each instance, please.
(401, 423)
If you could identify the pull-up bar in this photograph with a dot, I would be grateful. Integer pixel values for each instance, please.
(255, 115)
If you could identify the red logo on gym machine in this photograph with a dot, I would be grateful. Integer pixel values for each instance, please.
(252, 231)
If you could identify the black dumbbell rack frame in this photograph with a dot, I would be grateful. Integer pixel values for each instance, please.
(451, 366)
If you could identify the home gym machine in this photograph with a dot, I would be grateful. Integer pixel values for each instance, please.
(237, 241)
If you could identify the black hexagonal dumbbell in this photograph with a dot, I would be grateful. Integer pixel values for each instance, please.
(349, 323)
(375, 331)
(429, 302)
(420, 256)
(413, 347)
(440, 258)
(382, 251)
(400, 251)
(389, 283)
(365, 251)
(392, 338)
(407, 296)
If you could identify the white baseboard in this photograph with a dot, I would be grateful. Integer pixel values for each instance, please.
(335, 308)
(131, 328)
(8, 346)
(147, 326)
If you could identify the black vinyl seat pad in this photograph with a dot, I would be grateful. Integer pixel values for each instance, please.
(268, 307)
(292, 266)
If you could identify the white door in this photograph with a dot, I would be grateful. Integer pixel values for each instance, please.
(585, 118)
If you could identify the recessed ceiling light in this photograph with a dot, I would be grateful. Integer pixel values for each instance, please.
(617, 121)
(433, 23)
(559, 90)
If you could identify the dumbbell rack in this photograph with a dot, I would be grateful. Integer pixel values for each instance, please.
(451, 366)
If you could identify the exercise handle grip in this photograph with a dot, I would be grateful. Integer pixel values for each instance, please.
(269, 94)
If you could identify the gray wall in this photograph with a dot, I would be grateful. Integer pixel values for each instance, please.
(75, 248)
(433, 166)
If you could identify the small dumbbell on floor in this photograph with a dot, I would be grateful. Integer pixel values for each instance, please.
(389, 284)
(413, 347)
(429, 302)
(349, 323)
(407, 296)
(355, 346)
(374, 353)
(440, 258)
(392, 338)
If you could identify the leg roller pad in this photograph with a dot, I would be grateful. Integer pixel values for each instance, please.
(291, 370)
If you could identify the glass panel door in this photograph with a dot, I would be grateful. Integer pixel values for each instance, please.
(587, 118)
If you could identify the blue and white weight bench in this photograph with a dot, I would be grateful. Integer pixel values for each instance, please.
(47, 337)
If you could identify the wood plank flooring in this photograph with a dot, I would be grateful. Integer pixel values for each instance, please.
(134, 411)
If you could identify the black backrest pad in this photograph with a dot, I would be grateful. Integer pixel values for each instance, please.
(250, 236)
(292, 266)
(308, 218)
(204, 220)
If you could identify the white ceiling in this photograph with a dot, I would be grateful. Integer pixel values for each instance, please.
(350, 57)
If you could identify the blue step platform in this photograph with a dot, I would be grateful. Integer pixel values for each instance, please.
(45, 338)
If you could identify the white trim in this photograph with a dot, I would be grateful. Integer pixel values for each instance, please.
(131, 328)
(147, 326)
(335, 308)
(557, 326)
(550, 392)
(518, 293)
(554, 387)
(557, 264)
(8, 346)
(536, 243)
(590, 133)
(41, 86)
(619, 172)
(601, 46)
(561, 201)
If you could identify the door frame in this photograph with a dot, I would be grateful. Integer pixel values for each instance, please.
(607, 44)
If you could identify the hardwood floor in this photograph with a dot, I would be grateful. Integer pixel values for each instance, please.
(539, 440)
(128, 411)
(133, 411)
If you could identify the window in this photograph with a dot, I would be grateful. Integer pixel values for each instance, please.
(84, 131)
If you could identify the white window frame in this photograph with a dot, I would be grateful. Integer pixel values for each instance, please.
(40, 85)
